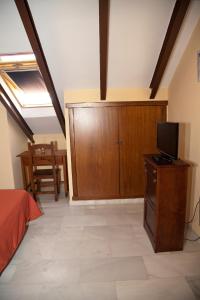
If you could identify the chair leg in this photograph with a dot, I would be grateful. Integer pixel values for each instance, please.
(58, 181)
(56, 190)
(38, 185)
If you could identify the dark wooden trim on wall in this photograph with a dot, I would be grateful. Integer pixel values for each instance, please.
(73, 152)
(104, 8)
(117, 103)
(15, 114)
(28, 22)
(175, 23)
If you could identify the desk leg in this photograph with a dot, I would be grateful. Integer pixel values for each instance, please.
(65, 175)
(24, 174)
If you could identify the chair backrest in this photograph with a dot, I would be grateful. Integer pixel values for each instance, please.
(42, 155)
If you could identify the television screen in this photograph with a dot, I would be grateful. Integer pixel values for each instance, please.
(167, 139)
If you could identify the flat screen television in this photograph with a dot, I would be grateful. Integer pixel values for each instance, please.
(167, 139)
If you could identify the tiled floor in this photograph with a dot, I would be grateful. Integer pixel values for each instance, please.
(97, 253)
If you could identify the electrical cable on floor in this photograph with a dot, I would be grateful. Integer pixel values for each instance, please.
(198, 238)
(194, 213)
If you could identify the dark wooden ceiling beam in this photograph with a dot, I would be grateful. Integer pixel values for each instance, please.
(104, 8)
(28, 22)
(175, 23)
(15, 114)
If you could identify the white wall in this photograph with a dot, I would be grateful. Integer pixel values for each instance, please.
(6, 174)
(13, 142)
(13, 35)
(17, 143)
(184, 107)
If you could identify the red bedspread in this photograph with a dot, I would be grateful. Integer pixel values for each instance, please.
(17, 207)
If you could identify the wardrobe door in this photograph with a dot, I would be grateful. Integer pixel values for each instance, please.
(96, 147)
(137, 125)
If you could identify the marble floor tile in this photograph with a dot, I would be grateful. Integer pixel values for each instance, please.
(190, 246)
(94, 248)
(8, 273)
(173, 264)
(105, 210)
(66, 249)
(72, 291)
(60, 292)
(86, 220)
(71, 233)
(136, 208)
(130, 247)
(121, 232)
(125, 219)
(75, 211)
(59, 211)
(112, 269)
(45, 220)
(35, 248)
(194, 283)
(20, 292)
(47, 271)
(139, 231)
(99, 291)
(96, 232)
(155, 289)
(108, 232)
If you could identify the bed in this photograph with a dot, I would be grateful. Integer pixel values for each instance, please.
(17, 208)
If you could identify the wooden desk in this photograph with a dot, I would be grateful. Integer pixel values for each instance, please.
(61, 159)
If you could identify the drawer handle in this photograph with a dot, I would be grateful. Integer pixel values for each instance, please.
(154, 171)
(154, 180)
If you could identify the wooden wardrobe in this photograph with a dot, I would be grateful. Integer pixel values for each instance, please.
(108, 141)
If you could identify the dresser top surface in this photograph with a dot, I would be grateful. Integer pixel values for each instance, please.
(175, 163)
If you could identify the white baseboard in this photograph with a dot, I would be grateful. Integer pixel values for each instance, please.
(106, 202)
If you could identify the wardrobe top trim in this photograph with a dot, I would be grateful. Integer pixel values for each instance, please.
(118, 103)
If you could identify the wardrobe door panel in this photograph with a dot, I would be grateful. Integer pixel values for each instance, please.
(137, 127)
(97, 152)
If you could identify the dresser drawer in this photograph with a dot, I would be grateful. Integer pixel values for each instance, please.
(151, 183)
(150, 217)
(150, 170)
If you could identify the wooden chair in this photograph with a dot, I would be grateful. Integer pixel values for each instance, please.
(43, 155)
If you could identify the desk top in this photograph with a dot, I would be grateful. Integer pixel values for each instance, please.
(62, 152)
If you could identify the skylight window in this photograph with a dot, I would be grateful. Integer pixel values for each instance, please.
(24, 80)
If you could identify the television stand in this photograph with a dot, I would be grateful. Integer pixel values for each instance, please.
(165, 203)
(162, 160)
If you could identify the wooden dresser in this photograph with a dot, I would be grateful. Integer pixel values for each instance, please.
(165, 203)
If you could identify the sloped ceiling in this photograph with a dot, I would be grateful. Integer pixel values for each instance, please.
(69, 34)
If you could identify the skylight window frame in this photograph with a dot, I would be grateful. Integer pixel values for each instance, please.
(6, 67)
